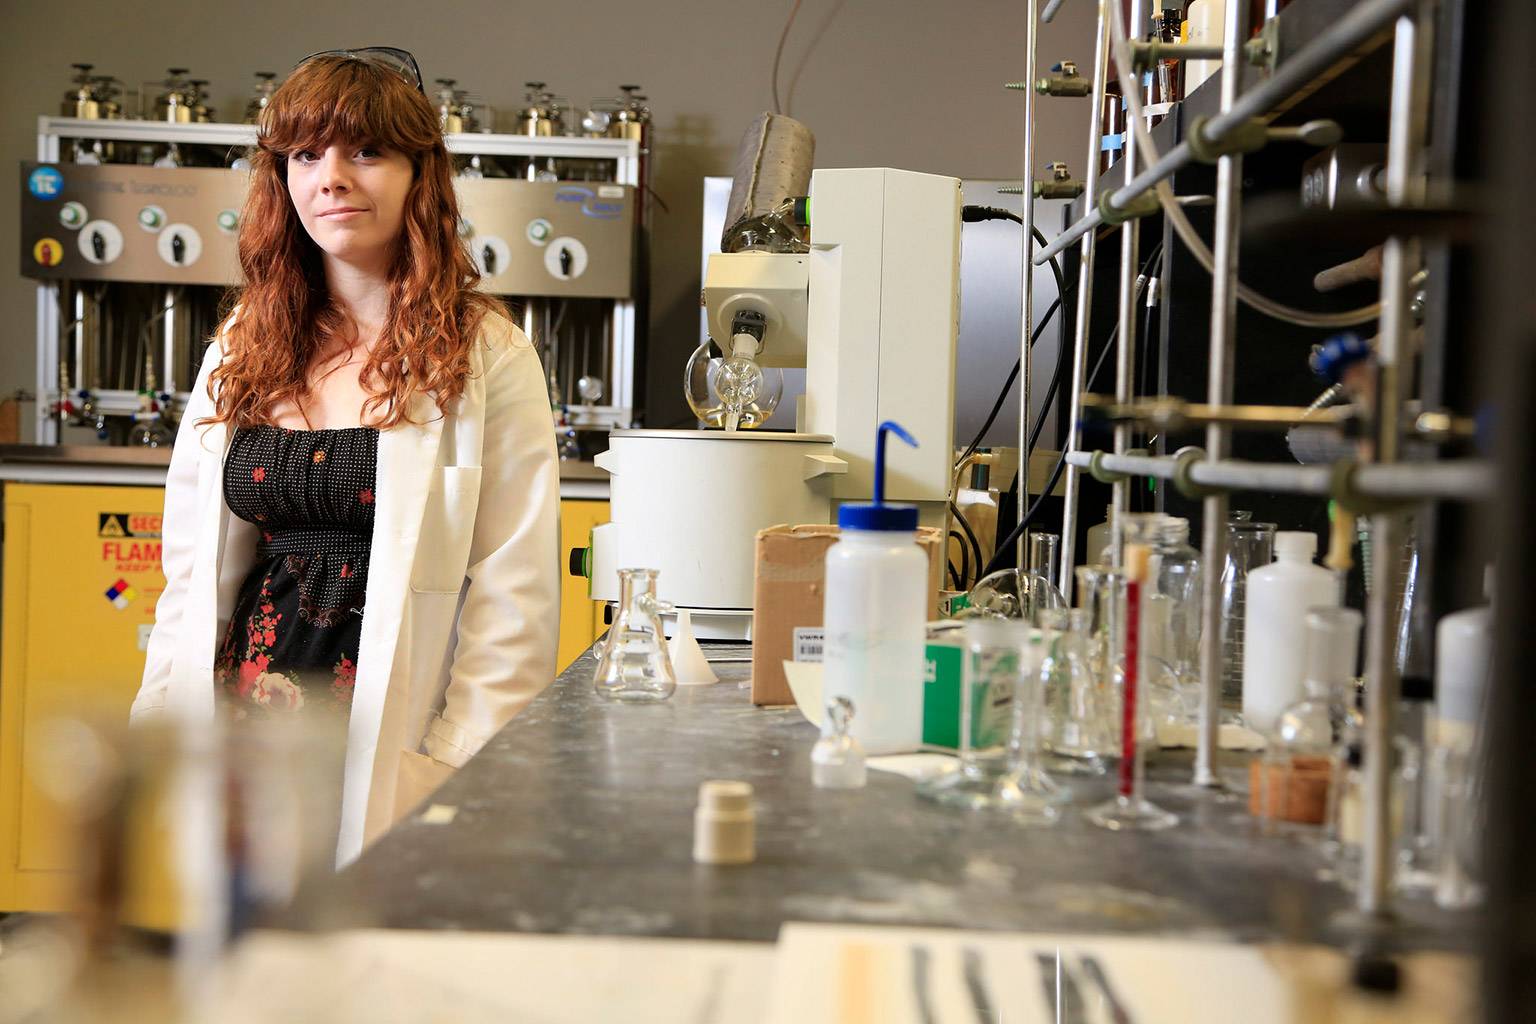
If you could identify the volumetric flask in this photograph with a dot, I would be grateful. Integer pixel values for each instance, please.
(634, 666)
(1101, 592)
(1249, 546)
(1038, 592)
(995, 663)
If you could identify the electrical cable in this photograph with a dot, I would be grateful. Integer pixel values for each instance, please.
(1137, 127)
(778, 53)
(970, 537)
(964, 572)
(977, 214)
(1061, 463)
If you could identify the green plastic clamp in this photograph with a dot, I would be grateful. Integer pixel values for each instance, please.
(1247, 137)
(1184, 461)
(1143, 205)
(1345, 491)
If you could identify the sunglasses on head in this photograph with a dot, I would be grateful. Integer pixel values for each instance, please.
(399, 61)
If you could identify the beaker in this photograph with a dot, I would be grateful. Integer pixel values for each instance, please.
(1077, 726)
(991, 684)
(1129, 809)
(634, 666)
(1250, 546)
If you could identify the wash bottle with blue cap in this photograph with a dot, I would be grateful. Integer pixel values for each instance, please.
(876, 609)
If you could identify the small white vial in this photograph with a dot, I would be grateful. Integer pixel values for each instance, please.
(725, 824)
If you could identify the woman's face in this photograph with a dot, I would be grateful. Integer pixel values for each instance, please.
(351, 198)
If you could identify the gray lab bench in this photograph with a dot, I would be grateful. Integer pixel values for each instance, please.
(578, 818)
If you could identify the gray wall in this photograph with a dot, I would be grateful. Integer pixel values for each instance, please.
(900, 83)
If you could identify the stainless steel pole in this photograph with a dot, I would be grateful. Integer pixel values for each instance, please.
(1084, 306)
(1357, 27)
(1027, 266)
(1411, 61)
(1223, 348)
(1125, 353)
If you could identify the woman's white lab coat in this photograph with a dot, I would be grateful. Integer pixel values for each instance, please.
(462, 605)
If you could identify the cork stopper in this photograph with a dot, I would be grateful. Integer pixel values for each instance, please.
(1137, 559)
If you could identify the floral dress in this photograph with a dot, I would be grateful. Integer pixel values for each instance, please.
(293, 638)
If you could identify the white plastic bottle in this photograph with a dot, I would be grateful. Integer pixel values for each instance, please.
(875, 612)
(1275, 631)
(1463, 660)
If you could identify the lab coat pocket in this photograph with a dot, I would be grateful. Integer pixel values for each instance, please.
(419, 777)
(447, 530)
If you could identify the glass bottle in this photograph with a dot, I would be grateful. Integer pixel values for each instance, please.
(992, 680)
(1250, 546)
(1129, 809)
(634, 666)
(1077, 725)
(1306, 750)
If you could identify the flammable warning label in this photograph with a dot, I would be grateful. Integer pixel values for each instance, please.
(128, 524)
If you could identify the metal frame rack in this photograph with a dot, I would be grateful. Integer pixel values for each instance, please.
(1379, 487)
(54, 132)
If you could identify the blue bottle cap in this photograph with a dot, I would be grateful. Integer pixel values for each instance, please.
(1338, 354)
(878, 515)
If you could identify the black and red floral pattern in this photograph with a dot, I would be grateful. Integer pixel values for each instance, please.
(292, 641)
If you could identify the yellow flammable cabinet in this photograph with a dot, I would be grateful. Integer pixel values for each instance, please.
(81, 578)
(82, 575)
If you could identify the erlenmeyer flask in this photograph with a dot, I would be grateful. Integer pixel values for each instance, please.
(634, 666)
(1076, 729)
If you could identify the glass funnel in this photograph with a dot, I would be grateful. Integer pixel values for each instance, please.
(1078, 724)
(733, 393)
(1129, 809)
(634, 666)
(992, 683)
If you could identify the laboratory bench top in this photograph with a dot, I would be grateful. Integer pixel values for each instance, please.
(578, 818)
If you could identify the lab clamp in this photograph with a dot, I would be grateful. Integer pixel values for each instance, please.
(130, 226)
(1140, 69)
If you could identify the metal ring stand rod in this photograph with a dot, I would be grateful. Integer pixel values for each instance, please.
(1084, 306)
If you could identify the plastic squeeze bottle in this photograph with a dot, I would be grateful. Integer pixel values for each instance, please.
(876, 608)
(1275, 630)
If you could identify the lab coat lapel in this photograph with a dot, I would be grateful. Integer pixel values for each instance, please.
(407, 458)
(201, 620)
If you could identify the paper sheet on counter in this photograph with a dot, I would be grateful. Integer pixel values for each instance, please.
(377, 977)
(838, 974)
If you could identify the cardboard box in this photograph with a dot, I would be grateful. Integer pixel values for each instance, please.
(789, 586)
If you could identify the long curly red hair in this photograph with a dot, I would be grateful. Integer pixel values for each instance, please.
(283, 315)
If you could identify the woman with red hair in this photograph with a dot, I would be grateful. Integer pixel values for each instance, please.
(361, 509)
